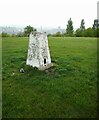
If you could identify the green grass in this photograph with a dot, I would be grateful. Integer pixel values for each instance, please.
(68, 90)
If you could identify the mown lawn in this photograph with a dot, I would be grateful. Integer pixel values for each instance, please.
(68, 90)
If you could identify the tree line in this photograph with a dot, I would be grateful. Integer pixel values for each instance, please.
(80, 32)
(27, 30)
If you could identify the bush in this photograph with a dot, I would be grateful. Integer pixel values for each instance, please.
(3, 34)
(79, 33)
(58, 34)
(13, 35)
(89, 32)
(49, 35)
(96, 32)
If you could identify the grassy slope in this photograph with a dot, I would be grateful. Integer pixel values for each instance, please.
(67, 90)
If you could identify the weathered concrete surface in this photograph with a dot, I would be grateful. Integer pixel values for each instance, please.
(38, 51)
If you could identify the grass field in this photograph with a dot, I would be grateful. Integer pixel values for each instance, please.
(68, 90)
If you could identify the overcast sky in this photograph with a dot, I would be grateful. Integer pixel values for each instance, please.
(47, 13)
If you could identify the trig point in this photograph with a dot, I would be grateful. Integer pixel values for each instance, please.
(38, 51)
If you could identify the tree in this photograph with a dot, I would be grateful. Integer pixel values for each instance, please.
(3, 34)
(69, 29)
(96, 32)
(78, 33)
(58, 34)
(81, 31)
(89, 32)
(49, 35)
(96, 24)
(28, 30)
(82, 25)
(13, 35)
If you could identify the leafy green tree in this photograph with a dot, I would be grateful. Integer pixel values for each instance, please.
(78, 33)
(49, 35)
(81, 31)
(69, 29)
(96, 32)
(89, 32)
(58, 34)
(3, 34)
(28, 30)
(13, 35)
(96, 24)
(82, 25)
